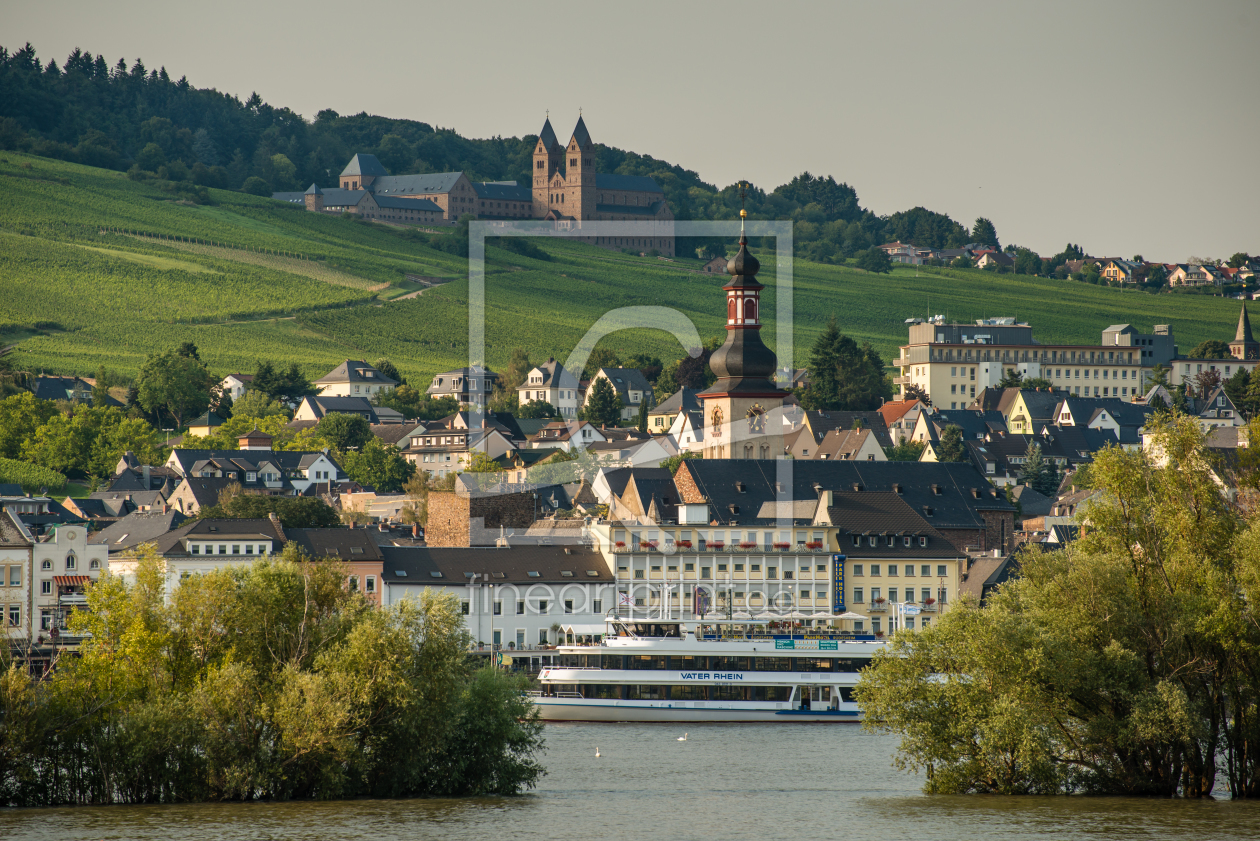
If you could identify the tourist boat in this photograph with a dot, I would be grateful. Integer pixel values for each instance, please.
(704, 670)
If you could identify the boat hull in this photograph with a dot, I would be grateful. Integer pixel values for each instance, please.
(594, 710)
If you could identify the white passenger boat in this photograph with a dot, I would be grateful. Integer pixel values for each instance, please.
(706, 670)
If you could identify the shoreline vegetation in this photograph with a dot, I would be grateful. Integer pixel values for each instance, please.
(271, 682)
(1127, 663)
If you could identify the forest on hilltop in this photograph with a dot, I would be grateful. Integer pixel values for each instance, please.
(155, 127)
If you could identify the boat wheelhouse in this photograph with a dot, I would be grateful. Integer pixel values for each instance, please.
(707, 670)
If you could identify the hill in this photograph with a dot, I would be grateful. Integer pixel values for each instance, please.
(250, 278)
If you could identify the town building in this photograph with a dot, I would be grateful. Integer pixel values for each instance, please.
(16, 551)
(235, 385)
(952, 362)
(551, 383)
(65, 564)
(661, 417)
(629, 384)
(471, 386)
(354, 378)
(316, 407)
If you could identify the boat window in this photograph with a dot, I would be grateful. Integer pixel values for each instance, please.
(728, 664)
(774, 664)
(645, 693)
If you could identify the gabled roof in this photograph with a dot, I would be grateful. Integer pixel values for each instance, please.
(400, 203)
(895, 410)
(365, 164)
(682, 400)
(55, 388)
(612, 181)
(355, 371)
(1243, 333)
(345, 544)
(513, 565)
(429, 182)
(554, 376)
(256, 529)
(138, 527)
(821, 422)
(625, 379)
(504, 190)
(208, 419)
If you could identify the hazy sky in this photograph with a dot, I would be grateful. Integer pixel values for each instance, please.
(1125, 127)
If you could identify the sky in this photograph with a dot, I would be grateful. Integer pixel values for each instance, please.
(1128, 128)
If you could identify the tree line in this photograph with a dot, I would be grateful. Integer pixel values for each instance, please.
(271, 681)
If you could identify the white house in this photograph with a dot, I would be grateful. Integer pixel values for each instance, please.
(235, 385)
(631, 386)
(551, 383)
(65, 564)
(354, 378)
(201, 546)
(516, 597)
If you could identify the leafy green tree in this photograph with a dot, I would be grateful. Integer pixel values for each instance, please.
(951, 447)
(649, 366)
(255, 186)
(906, 450)
(962, 261)
(176, 384)
(482, 463)
(674, 462)
(603, 405)
(1236, 388)
(415, 510)
(1210, 349)
(983, 233)
(874, 260)
(295, 512)
(1011, 378)
(1043, 689)
(256, 404)
(1037, 472)
(1157, 376)
(537, 409)
(1156, 277)
(344, 431)
(390, 370)
(1157, 403)
(21, 416)
(916, 392)
(601, 357)
(642, 423)
(843, 376)
(151, 157)
(1239, 259)
(379, 465)
(415, 404)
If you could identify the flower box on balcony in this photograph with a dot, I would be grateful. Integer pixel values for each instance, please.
(683, 544)
(814, 544)
(717, 545)
(782, 546)
(747, 545)
(620, 544)
(643, 544)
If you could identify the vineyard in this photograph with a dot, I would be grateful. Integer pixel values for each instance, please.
(97, 269)
(31, 477)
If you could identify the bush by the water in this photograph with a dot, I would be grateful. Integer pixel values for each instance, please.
(31, 477)
(267, 682)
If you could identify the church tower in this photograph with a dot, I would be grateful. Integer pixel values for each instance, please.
(743, 409)
(580, 173)
(547, 156)
(1244, 345)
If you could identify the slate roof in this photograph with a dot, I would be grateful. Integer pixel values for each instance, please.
(974, 425)
(955, 493)
(313, 190)
(13, 531)
(401, 203)
(612, 181)
(548, 136)
(503, 190)
(365, 164)
(346, 544)
(985, 573)
(247, 460)
(554, 376)
(354, 371)
(683, 399)
(581, 135)
(208, 419)
(429, 182)
(9, 489)
(631, 209)
(361, 406)
(392, 433)
(138, 527)
(507, 566)
(822, 422)
(1032, 502)
(886, 514)
(168, 544)
(56, 388)
(1085, 409)
(625, 379)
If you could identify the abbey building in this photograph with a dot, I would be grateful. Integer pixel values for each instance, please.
(567, 189)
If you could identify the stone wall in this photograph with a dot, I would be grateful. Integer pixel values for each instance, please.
(457, 520)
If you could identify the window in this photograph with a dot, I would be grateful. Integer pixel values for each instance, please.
(249, 548)
(857, 595)
(45, 588)
(909, 567)
(926, 593)
(568, 605)
(370, 581)
(222, 549)
(94, 563)
(45, 564)
(597, 606)
(892, 594)
(15, 615)
(874, 569)
(15, 576)
(892, 569)
(520, 608)
(638, 573)
(940, 569)
(71, 562)
(857, 569)
(925, 570)
(196, 548)
(542, 607)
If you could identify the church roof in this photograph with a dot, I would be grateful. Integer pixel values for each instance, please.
(314, 190)
(612, 181)
(506, 190)
(581, 135)
(364, 164)
(548, 136)
(1243, 334)
(430, 182)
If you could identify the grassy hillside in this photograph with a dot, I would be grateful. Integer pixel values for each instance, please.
(255, 279)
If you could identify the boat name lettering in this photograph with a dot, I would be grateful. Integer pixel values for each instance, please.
(710, 676)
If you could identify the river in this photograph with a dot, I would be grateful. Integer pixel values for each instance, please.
(774, 781)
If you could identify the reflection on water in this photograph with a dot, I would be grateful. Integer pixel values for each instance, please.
(799, 782)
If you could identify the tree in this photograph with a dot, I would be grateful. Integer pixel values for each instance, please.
(537, 409)
(151, 157)
(843, 376)
(916, 392)
(1037, 382)
(482, 463)
(378, 465)
(603, 404)
(1042, 689)
(649, 366)
(1205, 382)
(1011, 378)
(415, 510)
(642, 424)
(1239, 259)
(1157, 403)
(906, 450)
(505, 396)
(601, 357)
(1236, 388)
(344, 431)
(295, 512)
(256, 404)
(983, 233)
(874, 260)
(1211, 349)
(390, 370)
(1038, 473)
(255, 186)
(1156, 376)
(674, 462)
(1156, 277)
(21, 416)
(951, 447)
(417, 405)
(176, 384)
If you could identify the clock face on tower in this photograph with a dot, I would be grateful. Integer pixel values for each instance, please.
(717, 420)
(756, 419)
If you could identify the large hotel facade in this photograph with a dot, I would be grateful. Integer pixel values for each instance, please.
(567, 189)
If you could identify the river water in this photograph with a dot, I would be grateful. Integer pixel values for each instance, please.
(774, 781)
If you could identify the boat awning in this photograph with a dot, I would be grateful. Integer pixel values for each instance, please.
(71, 580)
(583, 630)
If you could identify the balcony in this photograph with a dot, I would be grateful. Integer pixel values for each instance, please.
(880, 606)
